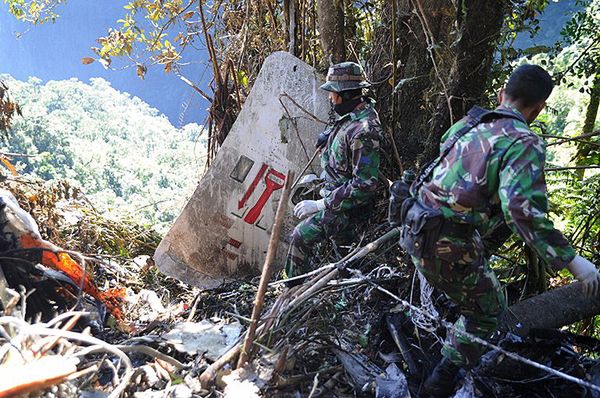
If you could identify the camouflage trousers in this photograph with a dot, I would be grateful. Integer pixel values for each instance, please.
(310, 231)
(460, 269)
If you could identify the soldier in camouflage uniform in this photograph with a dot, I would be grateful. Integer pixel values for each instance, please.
(492, 176)
(350, 161)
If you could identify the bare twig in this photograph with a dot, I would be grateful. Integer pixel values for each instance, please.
(430, 46)
(207, 377)
(68, 326)
(293, 121)
(196, 88)
(310, 114)
(246, 353)
(301, 174)
(313, 390)
(194, 308)
(26, 328)
(151, 352)
(572, 168)
(17, 155)
(562, 140)
(576, 61)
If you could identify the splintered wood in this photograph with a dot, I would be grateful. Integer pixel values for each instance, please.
(36, 375)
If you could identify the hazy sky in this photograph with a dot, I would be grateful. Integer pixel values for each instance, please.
(54, 51)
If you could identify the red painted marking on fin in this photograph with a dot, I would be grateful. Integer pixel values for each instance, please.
(271, 186)
(235, 243)
(252, 186)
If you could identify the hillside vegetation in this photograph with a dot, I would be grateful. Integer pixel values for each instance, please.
(124, 155)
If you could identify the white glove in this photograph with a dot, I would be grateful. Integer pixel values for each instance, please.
(308, 179)
(586, 273)
(308, 207)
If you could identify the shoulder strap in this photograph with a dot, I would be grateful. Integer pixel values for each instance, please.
(475, 116)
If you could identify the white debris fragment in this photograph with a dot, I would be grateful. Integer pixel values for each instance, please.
(151, 377)
(70, 212)
(180, 391)
(177, 391)
(204, 337)
(468, 389)
(141, 261)
(146, 304)
(241, 383)
(391, 385)
(223, 232)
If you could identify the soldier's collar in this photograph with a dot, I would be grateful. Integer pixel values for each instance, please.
(512, 109)
(361, 109)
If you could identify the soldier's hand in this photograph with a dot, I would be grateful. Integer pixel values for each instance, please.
(307, 179)
(322, 139)
(307, 208)
(586, 273)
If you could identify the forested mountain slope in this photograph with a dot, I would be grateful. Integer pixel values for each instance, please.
(126, 156)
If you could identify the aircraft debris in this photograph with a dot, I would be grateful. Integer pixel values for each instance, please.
(20, 231)
(300, 337)
(204, 338)
(223, 231)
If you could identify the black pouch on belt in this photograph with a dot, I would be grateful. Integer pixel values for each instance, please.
(420, 228)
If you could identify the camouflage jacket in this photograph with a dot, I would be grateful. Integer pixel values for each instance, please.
(350, 160)
(494, 174)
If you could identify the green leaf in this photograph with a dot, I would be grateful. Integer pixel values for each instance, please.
(242, 78)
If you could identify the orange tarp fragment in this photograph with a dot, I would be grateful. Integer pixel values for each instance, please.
(53, 257)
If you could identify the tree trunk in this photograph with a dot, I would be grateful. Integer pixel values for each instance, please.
(552, 309)
(291, 15)
(440, 64)
(537, 282)
(480, 23)
(584, 150)
(331, 29)
(415, 68)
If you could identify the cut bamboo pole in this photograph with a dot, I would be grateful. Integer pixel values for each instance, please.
(246, 352)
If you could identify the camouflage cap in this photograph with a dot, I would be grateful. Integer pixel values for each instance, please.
(345, 76)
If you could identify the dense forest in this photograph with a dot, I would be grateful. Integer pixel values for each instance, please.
(126, 157)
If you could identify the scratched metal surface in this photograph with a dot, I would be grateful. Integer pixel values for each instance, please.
(223, 231)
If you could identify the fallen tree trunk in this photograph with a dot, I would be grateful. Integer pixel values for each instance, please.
(552, 309)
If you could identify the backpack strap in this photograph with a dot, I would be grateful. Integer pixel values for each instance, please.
(475, 116)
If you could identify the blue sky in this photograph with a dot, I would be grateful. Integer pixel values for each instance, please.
(54, 51)
(552, 20)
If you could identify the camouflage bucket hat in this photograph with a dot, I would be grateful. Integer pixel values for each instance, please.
(345, 76)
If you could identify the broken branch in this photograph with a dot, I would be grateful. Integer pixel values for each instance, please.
(246, 353)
